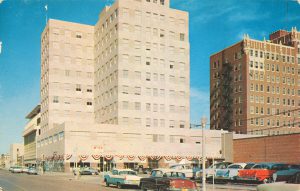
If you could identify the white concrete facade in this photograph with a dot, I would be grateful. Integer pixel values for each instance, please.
(142, 65)
(16, 154)
(30, 133)
(66, 73)
(119, 89)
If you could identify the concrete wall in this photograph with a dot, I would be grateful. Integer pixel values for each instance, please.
(278, 148)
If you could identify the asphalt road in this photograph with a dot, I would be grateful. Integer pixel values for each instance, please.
(67, 182)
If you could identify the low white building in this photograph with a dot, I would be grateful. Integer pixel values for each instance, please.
(123, 146)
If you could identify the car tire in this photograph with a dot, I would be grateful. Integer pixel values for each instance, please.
(143, 187)
(120, 186)
(106, 183)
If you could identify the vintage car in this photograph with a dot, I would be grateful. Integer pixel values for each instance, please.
(211, 170)
(231, 172)
(284, 175)
(167, 180)
(88, 171)
(293, 184)
(261, 172)
(32, 170)
(187, 169)
(122, 177)
(16, 169)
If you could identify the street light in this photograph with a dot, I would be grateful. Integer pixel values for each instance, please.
(203, 123)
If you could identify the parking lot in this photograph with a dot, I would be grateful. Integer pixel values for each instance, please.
(68, 182)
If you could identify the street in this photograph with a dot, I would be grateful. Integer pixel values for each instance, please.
(67, 182)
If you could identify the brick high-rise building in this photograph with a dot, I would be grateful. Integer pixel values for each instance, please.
(255, 85)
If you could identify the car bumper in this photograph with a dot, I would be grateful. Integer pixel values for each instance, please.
(181, 189)
(132, 182)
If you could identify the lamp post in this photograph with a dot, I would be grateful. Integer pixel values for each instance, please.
(203, 123)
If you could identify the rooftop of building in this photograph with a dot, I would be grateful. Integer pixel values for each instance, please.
(34, 112)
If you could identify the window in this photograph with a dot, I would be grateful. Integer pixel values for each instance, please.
(137, 90)
(125, 104)
(162, 2)
(89, 90)
(148, 106)
(148, 76)
(55, 99)
(78, 87)
(137, 105)
(89, 103)
(181, 37)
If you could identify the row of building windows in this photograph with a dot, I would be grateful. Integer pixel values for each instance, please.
(273, 123)
(153, 18)
(126, 105)
(51, 139)
(261, 99)
(149, 47)
(68, 100)
(271, 56)
(273, 89)
(271, 111)
(155, 92)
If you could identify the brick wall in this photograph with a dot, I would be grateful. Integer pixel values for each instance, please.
(279, 148)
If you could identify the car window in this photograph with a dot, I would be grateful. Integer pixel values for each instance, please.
(248, 166)
(114, 172)
(127, 172)
(279, 167)
(157, 173)
(257, 166)
(234, 166)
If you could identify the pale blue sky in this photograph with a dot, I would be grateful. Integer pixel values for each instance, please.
(214, 25)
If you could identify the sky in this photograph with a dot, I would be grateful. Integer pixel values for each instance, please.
(214, 25)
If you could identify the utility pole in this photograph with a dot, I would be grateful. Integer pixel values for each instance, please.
(203, 124)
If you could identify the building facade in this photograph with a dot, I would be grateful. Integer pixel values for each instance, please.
(4, 161)
(142, 65)
(16, 154)
(255, 87)
(30, 133)
(119, 91)
(67, 73)
(277, 148)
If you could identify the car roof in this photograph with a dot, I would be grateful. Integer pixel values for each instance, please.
(164, 170)
(241, 164)
(124, 170)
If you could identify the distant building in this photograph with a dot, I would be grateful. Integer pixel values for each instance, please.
(254, 85)
(16, 154)
(5, 161)
(31, 130)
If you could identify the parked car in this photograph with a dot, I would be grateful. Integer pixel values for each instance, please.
(16, 169)
(32, 170)
(25, 169)
(88, 171)
(261, 172)
(284, 175)
(122, 177)
(211, 170)
(167, 179)
(293, 184)
(231, 172)
(187, 169)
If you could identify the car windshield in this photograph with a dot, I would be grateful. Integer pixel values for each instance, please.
(127, 172)
(174, 174)
(156, 173)
(249, 166)
(279, 167)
